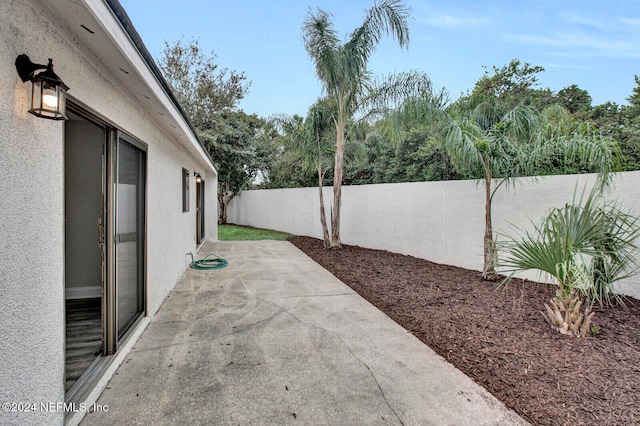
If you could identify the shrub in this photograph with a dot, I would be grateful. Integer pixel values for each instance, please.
(586, 246)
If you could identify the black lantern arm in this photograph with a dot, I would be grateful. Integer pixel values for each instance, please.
(26, 69)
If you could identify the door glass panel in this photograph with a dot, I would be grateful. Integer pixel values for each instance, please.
(199, 212)
(130, 197)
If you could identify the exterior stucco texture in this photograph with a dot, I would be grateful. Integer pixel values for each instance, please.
(32, 185)
(439, 221)
(31, 233)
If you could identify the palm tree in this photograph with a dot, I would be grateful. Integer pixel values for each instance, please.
(520, 143)
(342, 71)
(312, 140)
(482, 144)
(587, 247)
(574, 146)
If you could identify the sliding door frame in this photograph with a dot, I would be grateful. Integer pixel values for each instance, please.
(109, 311)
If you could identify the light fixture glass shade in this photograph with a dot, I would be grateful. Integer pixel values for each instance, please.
(48, 97)
(48, 91)
(198, 178)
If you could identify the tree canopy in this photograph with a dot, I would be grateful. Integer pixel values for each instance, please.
(409, 150)
(209, 96)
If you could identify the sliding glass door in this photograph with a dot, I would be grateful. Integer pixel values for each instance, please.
(199, 211)
(105, 244)
(129, 232)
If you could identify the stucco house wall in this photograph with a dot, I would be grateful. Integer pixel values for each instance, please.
(31, 232)
(32, 194)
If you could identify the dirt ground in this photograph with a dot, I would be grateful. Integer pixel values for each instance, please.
(499, 337)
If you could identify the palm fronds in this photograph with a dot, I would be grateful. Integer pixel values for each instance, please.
(588, 245)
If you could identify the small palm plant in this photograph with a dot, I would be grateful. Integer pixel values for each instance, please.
(587, 247)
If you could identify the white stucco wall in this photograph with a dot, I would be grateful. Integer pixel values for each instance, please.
(31, 232)
(439, 221)
(171, 233)
(32, 207)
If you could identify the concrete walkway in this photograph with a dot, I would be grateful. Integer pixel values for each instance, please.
(275, 339)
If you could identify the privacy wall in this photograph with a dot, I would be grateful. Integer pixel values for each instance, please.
(439, 221)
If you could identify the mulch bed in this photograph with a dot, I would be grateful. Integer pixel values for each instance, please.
(499, 338)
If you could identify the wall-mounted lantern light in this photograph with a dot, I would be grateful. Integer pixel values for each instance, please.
(198, 177)
(48, 91)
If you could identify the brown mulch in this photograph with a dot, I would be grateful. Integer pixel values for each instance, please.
(499, 338)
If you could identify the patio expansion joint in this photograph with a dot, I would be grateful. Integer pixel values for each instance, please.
(186, 342)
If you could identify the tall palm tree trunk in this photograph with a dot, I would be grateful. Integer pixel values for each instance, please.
(323, 216)
(490, 253)
(337, 183)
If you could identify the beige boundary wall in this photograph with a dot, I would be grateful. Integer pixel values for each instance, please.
(439, 221)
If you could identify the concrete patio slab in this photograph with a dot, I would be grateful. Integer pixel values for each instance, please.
(275, 339)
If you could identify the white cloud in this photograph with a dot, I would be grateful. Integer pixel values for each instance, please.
(583, 20)
(631, 21)
(569, 66)
(593, 45)
(452, 22)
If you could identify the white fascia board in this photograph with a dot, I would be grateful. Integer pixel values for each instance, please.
(104, 16)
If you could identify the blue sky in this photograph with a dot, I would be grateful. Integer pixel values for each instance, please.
(592, 43)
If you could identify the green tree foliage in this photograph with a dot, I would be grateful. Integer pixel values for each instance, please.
(304, 144)
(285, 168)
(232, 141)
(421, 157)
(209, 96)
(573, 146)
(202, 88)
(574, 100)
(633, 110)
(630, 133)
(508, 87)
(406, 145)
(398, 148)
(622, 123)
